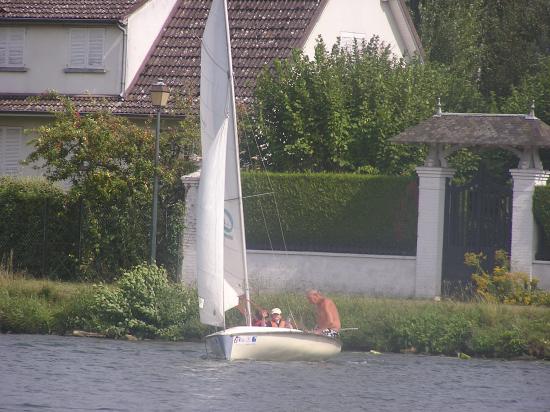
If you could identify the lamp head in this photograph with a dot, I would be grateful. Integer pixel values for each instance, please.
(159, 94)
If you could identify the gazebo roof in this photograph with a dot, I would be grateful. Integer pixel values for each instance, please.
(475, 129)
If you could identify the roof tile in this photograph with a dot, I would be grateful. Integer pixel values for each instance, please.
(66, 9)
(261, 31)
(479, 130)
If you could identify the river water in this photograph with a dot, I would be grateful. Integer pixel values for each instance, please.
(53, 373)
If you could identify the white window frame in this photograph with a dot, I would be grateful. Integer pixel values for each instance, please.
(11, 150)
(348, 38)
(86, 49)
(12, 47)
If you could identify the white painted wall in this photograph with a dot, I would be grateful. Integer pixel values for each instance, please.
(144, 26)
(368, 17)
(46, 55)
(523, 245)
(541, 271)
(374, 275)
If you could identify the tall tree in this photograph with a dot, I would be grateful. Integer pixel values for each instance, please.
(338, 111)
(496, 42)
(109, 163)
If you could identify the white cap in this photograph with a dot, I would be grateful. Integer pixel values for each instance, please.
(276, 311)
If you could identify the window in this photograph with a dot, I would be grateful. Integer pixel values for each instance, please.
(12, 41)
(10, 150)
(86, 49)
(348, 39)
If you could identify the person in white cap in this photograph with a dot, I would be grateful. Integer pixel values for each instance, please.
(277, 320)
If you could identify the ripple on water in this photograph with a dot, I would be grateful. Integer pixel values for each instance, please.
(66, 373)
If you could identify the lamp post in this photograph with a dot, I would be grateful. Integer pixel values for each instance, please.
(159, 98)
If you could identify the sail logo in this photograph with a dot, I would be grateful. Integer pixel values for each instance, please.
(244, 340)
(227, 224)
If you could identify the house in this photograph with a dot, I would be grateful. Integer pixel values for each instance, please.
(107, 53)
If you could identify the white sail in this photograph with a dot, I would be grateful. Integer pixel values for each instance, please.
(221, 253)
(210, 217)
(217, 106)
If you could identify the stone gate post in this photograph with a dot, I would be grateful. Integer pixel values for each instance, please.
(431, 222)
(188, 273)
(523, 223)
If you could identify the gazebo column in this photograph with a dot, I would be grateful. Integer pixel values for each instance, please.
(188, 272)
(431, 222)
(523, 223)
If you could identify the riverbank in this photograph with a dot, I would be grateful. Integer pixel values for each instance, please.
(384, 325)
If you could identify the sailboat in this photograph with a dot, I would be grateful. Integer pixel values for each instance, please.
(221, 252)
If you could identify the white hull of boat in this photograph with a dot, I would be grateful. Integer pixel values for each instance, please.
(270, 344)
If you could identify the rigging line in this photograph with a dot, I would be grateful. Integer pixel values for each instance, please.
(258, 195)
(260, 203)
(264, 166)
(270, 183)
(246, 197)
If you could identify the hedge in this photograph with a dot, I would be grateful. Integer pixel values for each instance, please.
(331, 212)
(541, 210)
(38, 228)
(47, 232)
(41, 227)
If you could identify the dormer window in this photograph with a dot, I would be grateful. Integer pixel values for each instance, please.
(12, 42)
(86, 50)
(348, 39)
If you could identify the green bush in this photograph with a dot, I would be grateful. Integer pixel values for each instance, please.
(38, 228)
(143, 303)
(331, 212)
(504, 286)
(47, 232)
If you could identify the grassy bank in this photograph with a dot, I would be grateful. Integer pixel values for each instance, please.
(386, 325)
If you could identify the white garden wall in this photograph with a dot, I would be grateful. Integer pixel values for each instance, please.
(374, 275)
(541, 271)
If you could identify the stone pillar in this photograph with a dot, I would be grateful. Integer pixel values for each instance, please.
(188, 273)
(431, 222)
(523, 223)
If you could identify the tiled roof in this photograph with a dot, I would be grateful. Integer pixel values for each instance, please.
(479, 130)
(261, 31)
(67, 9)
(49, 102)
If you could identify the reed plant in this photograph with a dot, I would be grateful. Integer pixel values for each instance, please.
(477, 328)
(443, 327)
(29, 305)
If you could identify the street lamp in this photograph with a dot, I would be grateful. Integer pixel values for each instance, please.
(159, 98)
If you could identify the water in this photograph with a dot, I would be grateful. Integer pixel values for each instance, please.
(41, 373)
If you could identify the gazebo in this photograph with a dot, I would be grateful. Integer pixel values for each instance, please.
(445, 133)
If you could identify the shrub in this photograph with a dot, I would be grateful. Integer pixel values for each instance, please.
(143, 303)
(37, 230)
(502, 285)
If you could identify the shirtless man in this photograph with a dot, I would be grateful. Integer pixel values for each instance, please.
(328, 319)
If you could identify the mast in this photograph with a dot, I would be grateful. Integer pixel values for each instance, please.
(238, 171)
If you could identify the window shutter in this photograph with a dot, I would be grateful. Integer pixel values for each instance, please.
(78, 48)
(16, 40)
(3, 47)
(10, 150)
(95, 50)
(12, 41)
